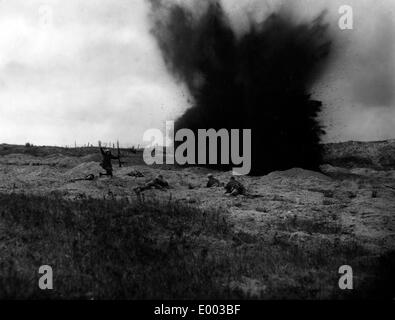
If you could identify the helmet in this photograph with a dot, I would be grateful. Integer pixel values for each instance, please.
(210, 175)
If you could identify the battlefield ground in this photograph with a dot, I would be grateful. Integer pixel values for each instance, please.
(285, 241)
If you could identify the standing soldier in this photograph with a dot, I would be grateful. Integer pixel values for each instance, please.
(106, 162)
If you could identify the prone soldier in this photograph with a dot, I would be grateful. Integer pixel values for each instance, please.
(234, 188)
(158, 183)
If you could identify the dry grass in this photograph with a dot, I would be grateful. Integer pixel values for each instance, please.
(114, 249)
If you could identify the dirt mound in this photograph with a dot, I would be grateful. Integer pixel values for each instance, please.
(297, 173)
(33, 175)
(352, 154)
(83, 169)
(56, 160)
(17, 159)
(91, 158)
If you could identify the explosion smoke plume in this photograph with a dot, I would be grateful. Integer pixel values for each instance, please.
(260, 80)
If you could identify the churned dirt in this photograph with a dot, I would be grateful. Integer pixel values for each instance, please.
(303, 206)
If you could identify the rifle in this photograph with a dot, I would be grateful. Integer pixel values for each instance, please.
(119, 155)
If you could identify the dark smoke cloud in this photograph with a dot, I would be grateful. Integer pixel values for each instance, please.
(259, 80)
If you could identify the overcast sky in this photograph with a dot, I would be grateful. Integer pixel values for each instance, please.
(84, 70)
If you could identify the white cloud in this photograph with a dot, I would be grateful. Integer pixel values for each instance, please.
(92, 71)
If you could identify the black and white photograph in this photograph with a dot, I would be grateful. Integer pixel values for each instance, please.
(197, 150)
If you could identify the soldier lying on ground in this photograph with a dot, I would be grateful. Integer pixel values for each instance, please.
(106, 162)
(212, 182)
(135, 173)
(158, 183)
(234, 188)
(89, 177)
